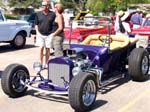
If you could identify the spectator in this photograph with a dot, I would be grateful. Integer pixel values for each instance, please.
(67, 15)
(144, 17)
(43, 26)
(58, 28)
(122, 27)
(136, 19)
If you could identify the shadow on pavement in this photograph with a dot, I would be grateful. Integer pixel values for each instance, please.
(55, 98)
(62, 99)
(98, 104)
(115, 84)
(7, 48)
(118, 83)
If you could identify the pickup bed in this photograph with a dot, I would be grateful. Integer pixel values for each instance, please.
(14, 31)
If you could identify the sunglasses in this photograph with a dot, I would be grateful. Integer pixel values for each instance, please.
(45, 5)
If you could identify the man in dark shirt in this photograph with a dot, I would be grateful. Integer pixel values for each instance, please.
(43, 26)
(136, 19)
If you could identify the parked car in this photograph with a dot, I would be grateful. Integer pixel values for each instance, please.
(82, 70)
(144, 30)
(14, 31)
(80, 29)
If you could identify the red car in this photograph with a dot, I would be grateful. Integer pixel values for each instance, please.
(82, 30)
(144, 29)
(144, 32)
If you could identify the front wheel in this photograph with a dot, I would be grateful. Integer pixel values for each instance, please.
(19, 41)
(82, 91)
(139, 64)
(13, 80)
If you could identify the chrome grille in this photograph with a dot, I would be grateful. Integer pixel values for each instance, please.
(56, 71)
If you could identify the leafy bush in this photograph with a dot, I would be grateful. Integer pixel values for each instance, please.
(10, 17)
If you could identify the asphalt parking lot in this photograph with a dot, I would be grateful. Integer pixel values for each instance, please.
(123, 95)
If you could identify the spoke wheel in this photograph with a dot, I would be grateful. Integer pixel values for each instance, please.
(82, 91)
(13, 80)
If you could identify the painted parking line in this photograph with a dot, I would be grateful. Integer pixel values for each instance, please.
(133, 101)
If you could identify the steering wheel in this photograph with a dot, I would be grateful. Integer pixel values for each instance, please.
(106, 40)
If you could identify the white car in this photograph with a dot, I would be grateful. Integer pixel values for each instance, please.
(14, 31)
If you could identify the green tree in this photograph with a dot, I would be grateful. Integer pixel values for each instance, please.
(24, 3)
(75, 4)
(68, 4)
(101, 6)
(3, 5)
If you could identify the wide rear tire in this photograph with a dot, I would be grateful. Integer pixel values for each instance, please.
(82, 91)
(139, 64)
(12, 80)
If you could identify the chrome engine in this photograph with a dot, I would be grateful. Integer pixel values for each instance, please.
(62, 70)
(80, 65)
(80, 59)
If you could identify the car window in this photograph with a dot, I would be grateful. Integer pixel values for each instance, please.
(147, 22)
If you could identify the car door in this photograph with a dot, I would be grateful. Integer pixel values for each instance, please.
(6, 30)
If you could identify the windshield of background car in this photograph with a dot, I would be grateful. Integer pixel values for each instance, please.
(147, 22)
(23, 17)
(31, 18)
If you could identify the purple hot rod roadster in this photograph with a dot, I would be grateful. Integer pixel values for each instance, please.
(84, 68)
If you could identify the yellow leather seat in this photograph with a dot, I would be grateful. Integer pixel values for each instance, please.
(133, 40)
(117, 41)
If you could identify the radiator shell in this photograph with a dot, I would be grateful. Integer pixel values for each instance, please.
(58, 68)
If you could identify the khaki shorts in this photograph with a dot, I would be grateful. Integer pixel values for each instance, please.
(43, 41)
(57, 44)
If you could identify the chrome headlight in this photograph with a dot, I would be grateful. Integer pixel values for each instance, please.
(37, 66)
(76, 70)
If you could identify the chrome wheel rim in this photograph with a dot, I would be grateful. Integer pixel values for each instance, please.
(89, 93)
(145, 65)
(18, 80)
